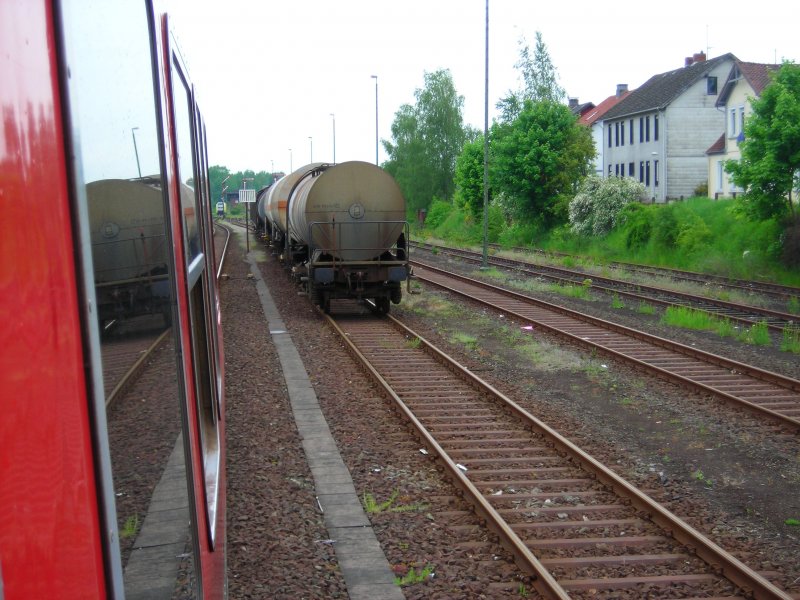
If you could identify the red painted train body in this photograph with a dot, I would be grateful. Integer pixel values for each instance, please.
(98, 92)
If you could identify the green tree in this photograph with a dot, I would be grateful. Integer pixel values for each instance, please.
(769, 168)
(469, 177)
(539, 80)
(426, 140)
(538, 160)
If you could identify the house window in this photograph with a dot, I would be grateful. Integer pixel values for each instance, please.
(641, 129)
(630, 125)
(655, 173)
(732, 131)
(711, 86)
(616, 170)
(609, 170)
(741, 120)
(647, 129)
(647, 173)
(622, 133)
(641, 171)
(720, 174)
(616, 134)
(609, 139)
(631, 169)
(655, 128)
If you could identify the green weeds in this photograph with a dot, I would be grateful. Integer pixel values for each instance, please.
(413, 576)
(130, 528)
(790, 342)
(373, 507)
(616, 302)
(646, 309)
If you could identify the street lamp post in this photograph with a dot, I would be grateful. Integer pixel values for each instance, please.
(375, 77)
(291, 170)
(311, 149)
(485, 261)
(333, 117)
(136, 151)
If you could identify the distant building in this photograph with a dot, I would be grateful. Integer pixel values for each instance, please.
(593, 119)
(745, 82)
(660, 132)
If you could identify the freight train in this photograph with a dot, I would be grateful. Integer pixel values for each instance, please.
(92, 97)
(341, 229)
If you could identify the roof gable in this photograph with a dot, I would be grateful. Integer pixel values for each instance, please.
(660, 90)
(757, 75)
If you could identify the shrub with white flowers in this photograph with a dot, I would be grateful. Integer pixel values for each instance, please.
(596, 207)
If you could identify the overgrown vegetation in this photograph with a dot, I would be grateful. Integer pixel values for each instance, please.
(698, 234)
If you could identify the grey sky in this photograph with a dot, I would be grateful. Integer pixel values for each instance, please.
(270, 74)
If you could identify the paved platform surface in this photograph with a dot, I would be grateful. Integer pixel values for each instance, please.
(365, 568)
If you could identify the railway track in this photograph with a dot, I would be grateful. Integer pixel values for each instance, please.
(571, 523)
(736, 312)
(124, 359)
(783, 292)
(764, 393)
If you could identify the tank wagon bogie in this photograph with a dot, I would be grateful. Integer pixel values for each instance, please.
(342, 230)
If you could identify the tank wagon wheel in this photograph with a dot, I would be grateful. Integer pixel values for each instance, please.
(314, 294)
(382, 305)
(396, 295)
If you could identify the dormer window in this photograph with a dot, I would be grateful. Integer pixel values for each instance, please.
(711, 86)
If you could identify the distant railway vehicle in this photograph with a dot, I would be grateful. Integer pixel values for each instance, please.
(342, 229)
(93, 96)
(220, 209)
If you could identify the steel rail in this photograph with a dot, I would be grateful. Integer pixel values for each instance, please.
(787, 383)
(747, 315)
(762, 287)
(719, 560)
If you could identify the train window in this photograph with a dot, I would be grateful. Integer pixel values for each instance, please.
(115, 136)
(199, 288)
(186, 169)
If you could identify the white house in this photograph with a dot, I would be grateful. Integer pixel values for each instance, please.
(593, 118)
(660, 132)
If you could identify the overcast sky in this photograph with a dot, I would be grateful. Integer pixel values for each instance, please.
(270, 74)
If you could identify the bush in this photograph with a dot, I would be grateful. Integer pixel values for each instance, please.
(636, 219)
(437, 213)
(597, 205)
(665, 227)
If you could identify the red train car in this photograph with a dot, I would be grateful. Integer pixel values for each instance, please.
(96, 96)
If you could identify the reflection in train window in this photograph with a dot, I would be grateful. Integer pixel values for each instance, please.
(116, 137)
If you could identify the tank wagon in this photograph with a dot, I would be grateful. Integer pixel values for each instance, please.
(129, 248)
(342, 230)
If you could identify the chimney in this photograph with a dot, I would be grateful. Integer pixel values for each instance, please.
(573, 103)
(699, 56)
(621, 89)
(687, 62)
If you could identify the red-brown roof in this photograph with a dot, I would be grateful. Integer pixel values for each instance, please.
(598, 111)
(757, 75)
(717, 147)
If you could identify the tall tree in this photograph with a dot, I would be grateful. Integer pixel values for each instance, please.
(539, 80)
(769, 168)
(469, 177)
(426, 140)
(538, 160)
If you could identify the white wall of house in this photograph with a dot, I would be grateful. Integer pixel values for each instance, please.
(597, 138)
(693, 125)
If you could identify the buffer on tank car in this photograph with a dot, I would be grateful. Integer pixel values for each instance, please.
(344, 232)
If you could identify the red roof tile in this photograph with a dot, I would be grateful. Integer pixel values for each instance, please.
(589, 117)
